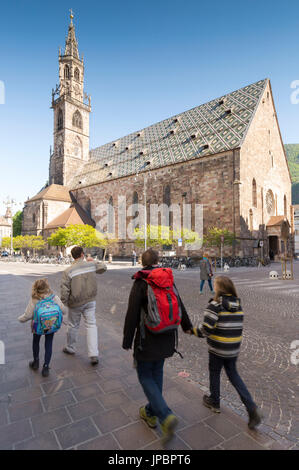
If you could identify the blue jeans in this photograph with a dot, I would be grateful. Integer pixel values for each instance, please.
(150, 375)
(215, 365)
(202, 283)
(48, 347)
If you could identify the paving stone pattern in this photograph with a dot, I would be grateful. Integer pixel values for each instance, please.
(82, 407)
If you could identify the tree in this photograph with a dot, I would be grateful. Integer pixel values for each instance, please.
(156, 235)
(17, 223)
(37, 243)
(190, 238)
(20, 242)
(214, 236)
(59, 238)
(82, 235)
(5, 242)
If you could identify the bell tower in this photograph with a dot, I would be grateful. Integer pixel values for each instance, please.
(71, 107)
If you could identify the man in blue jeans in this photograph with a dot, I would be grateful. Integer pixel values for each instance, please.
(151, 350)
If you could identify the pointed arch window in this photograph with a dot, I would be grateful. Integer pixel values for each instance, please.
(77, 119)
(78, 149)
(270, 202)
(254, 193)
(167, 202)
(285, 206)
(77, 74)
(66, 72)
(134, 204)
(110, 222)
(251, 220)
(60, 120)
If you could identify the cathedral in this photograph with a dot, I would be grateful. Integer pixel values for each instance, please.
(226, 155)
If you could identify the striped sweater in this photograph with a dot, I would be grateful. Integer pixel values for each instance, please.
(223, 326)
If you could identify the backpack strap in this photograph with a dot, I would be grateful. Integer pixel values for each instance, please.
(177, 343)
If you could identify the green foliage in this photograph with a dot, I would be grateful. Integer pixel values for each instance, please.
(159, 235)
(213, 237)
(20, 242)
(82, 235)
(295, 193)
(156, 235)
(292, 151)
(5, 242)
(17, 223)
(58, 238)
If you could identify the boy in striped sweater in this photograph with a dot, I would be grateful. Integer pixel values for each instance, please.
(223, 327)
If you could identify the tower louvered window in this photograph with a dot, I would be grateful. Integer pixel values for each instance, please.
(66, 72)
(77, 74)
(60, 120)
(77, 120)
(254, 195)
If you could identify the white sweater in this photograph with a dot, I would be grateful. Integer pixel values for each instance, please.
(28, 315)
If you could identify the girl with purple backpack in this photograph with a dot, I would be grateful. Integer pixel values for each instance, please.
(45, 310)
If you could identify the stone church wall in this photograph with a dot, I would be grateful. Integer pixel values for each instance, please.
(262, 159)
(207, 181)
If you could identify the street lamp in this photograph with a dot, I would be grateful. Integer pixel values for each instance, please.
(144, 198)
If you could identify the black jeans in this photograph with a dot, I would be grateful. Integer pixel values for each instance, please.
(48, 347)
(215, 365)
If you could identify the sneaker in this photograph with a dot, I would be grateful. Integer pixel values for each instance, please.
(94, 360)
(67, 351)
(45, 371)
(34, 365)
(201, 293)
(208, 402)
(151, 421)
(168, 426)
(255, 418)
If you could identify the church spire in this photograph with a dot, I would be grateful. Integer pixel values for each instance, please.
(71, 45)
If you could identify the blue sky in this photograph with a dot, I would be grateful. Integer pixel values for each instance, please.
(145, 61)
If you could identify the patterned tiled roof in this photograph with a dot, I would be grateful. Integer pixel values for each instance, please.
(55, 192)
(213, 127)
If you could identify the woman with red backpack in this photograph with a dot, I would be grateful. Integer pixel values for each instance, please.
(154, 314)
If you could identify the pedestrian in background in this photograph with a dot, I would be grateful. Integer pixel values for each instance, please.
(78, 292)
(151, 348)
(206, 274)
(134, 256)
(223, 327)
(45, 310)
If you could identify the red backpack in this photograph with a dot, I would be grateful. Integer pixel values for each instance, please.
(164, 311)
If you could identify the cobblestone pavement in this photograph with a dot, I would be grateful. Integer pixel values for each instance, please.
(86, 408)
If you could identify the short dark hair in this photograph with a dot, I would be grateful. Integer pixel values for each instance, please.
(77, 252)
(149, 257)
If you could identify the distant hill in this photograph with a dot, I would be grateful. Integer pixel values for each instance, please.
(292, 151)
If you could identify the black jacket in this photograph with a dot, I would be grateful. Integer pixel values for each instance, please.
(152, 347)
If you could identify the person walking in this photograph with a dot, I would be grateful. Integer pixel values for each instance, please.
(45, 309)
(223, 327)
(78, 292)
(206, 274)
(152, 347)
(134, 256)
